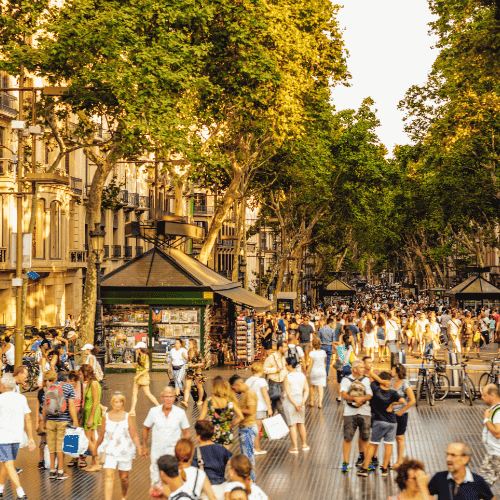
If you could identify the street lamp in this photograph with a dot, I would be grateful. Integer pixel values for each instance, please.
(97, 242)
(243, 268)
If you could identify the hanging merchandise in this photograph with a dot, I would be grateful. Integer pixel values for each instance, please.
(241, 341)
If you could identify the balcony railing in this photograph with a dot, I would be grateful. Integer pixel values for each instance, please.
(226, 273)
(139, 251)
(225, 243)
(127, 252)
(202, 210)
(143, 202)
(117, 251)
(78, 256)
(7, 104)
(123, 196)
(3, 254)
(76, 185)
(106, 251)
(133, 199)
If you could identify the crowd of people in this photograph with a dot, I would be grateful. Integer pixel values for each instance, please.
(298, 355)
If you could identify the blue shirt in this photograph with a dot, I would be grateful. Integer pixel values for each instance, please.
(474, 487)
(326, 334)
(215, 458)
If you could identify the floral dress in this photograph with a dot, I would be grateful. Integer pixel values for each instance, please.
(221, 419)
(117, 441)
(193, 373)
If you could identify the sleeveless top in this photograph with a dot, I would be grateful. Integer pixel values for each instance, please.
(10, 355)
(117, 441)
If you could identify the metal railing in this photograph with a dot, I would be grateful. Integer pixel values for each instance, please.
(127, 252)
(202, 210)
(143, 202)
(7, 104)
(106, 251)
(133, 200)
(76, 185)
(139, 250)
(226, 273)
(78, 255)
(225, 243)
(3, 254)
(117, 251)
(123, 196)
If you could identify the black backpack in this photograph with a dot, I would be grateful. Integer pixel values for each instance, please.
(292, 354)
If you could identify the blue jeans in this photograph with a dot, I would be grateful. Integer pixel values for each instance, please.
(247, 438)
(328, 350)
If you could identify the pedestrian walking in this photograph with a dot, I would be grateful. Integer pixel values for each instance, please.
(317, 372)
(356, 391)
(478, 339)
(369, 337)
(184, 451)
(459, 482)
(74, 351)
(490, 468)
(178, 360)
(248, 426)
(410, 331)
(381, 337)
(8, 351)
(92, 414)
(294, 404)
(58, 411)
(89, 358)
(56, 362)
(306, 331)
(118, 439)
(412, 481)
(194, 373)
(326, 335)
(258, 383)
(212, 456)
(141, 378)
(275, 369)
(15, 420)
(454, 332)
(239, 473)
(345, 358)
(168, 423)
(223, 410)
(467, 333)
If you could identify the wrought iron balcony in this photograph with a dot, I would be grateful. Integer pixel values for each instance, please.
(7, 105)
(143, 202)
(78, 255)
(203, 210)
(76, 185)
(117, 251)
(127, 252)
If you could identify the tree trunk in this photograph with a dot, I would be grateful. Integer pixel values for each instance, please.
(179, 196)
(237, 242)
(232, 193)
(279, 283)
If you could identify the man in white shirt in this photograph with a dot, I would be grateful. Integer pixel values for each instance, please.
(169, 424)
(14, 420)
(490, 468)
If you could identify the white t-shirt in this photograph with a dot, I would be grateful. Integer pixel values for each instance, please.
(166, 430)
(10, 356)
(445, 319)
(364, 409)
(177, 358)
(454, 326)
(391, 327)
(256, 494)
(13, 408)
(257, 383)
(491, 443)
(193, 483)
(435, 328)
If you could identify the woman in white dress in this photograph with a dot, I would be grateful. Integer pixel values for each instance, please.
(296, 395)
(369, 340)
(178, 359)
(317, 372)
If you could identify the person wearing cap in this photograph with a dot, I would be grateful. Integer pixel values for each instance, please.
(74, 350)
(141, 378)
(89, 353)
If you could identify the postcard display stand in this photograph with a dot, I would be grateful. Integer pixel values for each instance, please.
(125, 326)
(244, 340)
(171, 323)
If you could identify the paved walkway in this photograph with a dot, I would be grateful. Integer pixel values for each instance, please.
(310, 475)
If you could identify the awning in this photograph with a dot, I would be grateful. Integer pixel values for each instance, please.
(246, 298)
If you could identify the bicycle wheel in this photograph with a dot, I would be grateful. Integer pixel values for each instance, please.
(418, 390)
(470, 390)
(485, 379)
(441, 387)
(430, 393)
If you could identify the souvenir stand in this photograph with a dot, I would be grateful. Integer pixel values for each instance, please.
(337, 290)
(473, 293)
(164, 295)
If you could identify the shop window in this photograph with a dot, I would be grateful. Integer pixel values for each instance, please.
(55, 230)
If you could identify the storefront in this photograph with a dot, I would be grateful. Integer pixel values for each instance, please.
(337, 291)
(162, 296)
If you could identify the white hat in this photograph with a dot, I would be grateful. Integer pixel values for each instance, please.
(141, 344)
(71, 333)
(87, 347)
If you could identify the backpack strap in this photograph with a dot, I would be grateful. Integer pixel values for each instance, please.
(495, 411)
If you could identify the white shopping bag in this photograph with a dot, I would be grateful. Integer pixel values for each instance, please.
(75, 441)
(46, 457)
(276, 427)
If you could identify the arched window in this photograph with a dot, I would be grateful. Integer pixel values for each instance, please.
(55, 230)
(39, 231)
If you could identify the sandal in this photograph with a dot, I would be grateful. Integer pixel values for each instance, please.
(306, 448)
(82, 463)
(311, 405)
(294, 450)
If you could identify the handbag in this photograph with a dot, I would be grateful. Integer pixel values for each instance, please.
(178, 367)
(274, 389)
(276, 427)
(75, 442)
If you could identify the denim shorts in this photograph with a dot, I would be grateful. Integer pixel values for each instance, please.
(8, 452)
(383, 430)
(429, 350)
(402, 424)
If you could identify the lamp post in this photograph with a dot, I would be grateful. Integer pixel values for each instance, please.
(243, 269)
(97, 241)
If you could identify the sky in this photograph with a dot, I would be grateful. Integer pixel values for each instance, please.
(389, 51)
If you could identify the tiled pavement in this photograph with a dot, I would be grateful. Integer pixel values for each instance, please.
(310, 475)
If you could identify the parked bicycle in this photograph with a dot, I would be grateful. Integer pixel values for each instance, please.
(33, 372)
(425, 385)
(468, 387)
(491, 377)
(439, 379)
